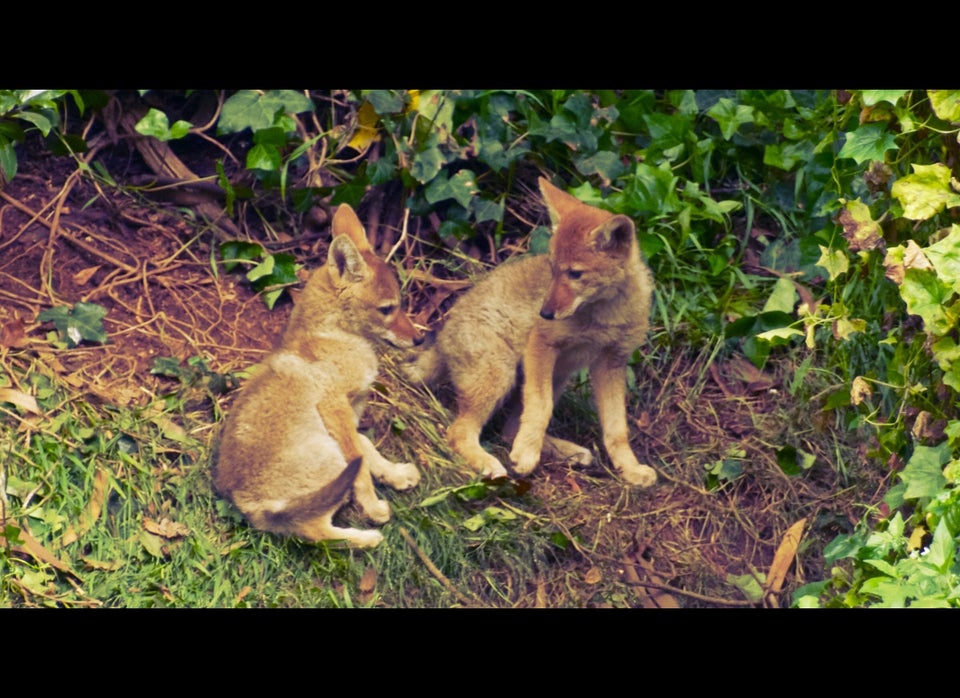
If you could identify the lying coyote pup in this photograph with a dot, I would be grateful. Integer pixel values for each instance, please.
(585, 304)
(290, 450)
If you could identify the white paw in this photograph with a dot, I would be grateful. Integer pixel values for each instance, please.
(378, 512)
(366, 539)
(524, 461)
(491, 469)
(401, 476)
(639, 475)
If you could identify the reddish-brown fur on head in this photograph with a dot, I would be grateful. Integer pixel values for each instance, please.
(588, 251)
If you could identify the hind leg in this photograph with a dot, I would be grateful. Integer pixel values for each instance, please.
(322, 528)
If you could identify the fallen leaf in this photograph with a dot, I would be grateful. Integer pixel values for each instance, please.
(165, 528)
(593, 576)
(33, 548)
(101, 480)
(369, 580)
(27, 402)
(573, 484)
(784, 557)
(243, 592)
(83, 276)
(13, 335)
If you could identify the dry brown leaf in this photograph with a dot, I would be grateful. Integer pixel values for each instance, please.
(243, 592)
(593, 576)
(83, 276)
(165, 528)
(784, 556)
(369, 580)
(573, 484)
(101, 480)
(27, 402)
(31, 546)
(13, 335)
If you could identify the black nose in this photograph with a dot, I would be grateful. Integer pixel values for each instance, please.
(546, 314)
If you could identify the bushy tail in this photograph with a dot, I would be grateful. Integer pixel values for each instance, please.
(426, 364)
(311, 505)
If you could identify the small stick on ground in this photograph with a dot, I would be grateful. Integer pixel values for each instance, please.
(441, 577)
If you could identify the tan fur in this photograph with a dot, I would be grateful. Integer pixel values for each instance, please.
(585, 304)
(290, 452)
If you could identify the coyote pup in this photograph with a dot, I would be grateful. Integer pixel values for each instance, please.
(585, 304)
(290, 451)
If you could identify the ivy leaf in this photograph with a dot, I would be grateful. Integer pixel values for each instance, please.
(926, 192)
(870, 142)
(730, 116)
(156, 124)
(82, 322)
(254, 110)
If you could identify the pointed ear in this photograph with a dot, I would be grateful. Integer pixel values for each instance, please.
(558, 201)
(345, 262)
(345, 222)
(614, 236)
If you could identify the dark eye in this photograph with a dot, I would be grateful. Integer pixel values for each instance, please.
(386, 310)
(574, 274)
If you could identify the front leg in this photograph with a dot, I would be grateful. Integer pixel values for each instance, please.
(608, 378)
(399, 476)
(539, 359)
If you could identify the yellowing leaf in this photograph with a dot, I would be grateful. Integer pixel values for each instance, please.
(926, 192)
(860, 390)
(835, 262)
(784, 556)
(366, 131)
(593, 576)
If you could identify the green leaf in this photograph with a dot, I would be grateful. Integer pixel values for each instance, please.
(945, 257)
(923, 474)
(926, 192)
(867, 143)
(462, 187)
(256, 111)
(730, 116)
(82, 322)
(8, 160)
(156, 124)
(263, 157)
(927, 296)
(872, 97)
(782, 298)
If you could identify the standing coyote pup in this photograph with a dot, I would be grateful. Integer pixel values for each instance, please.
(585, 304)
(290, 451)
